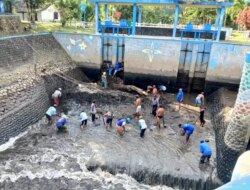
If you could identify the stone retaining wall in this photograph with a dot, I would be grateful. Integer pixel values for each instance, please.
(28, 68)
(224, 155)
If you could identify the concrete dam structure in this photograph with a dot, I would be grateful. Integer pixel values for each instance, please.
(33, 66)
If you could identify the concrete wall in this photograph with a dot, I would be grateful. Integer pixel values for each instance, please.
(85, 50)
(148, 59)
(153, 59)
(226, 64)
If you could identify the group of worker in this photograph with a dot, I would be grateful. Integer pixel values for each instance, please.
(157, 111)
(188, 129)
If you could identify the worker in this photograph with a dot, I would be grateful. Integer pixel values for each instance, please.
(160, 116)
(60, 124)
(155, 91)
(121, 125)
(179, 98)
(104, 80)
(206, 151)
(155, 105)
(84, 119)
(138, 100)
(109, 119)
(93, 111)
(202, 113)
(118, 68)
(143, 126)
(199, 100)
(187, 129)
(56, 95)
(50, 112)
(138, 111)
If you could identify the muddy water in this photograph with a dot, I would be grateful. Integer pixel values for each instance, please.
(46, 159)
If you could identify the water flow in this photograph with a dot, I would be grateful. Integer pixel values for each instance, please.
(45, 158)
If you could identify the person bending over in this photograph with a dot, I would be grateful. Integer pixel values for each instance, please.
(187, 129)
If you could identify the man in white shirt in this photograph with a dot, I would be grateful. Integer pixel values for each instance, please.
(56, 95)
(138, 111)
(84, 119)
(93, 111)
(143, 126)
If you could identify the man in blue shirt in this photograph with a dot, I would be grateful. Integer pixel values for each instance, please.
(50, 112)
(188, 129)
(205, 150)
(60, 124)
(120, 125)
(179, 97)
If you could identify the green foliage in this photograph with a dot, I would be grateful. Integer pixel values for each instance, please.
(232, 12)
(32, 5)
(198, 15)
(69, 10)
(157, 14)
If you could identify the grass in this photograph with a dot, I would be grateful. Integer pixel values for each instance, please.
(39, 27)
(239, 37)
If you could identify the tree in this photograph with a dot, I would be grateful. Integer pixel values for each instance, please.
(32, 5)
(198, 15)
(69, 10)
(232, 12)
(244, 18)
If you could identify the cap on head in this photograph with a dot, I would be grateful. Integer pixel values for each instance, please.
(179, 125)
(104, 73)
(141, 117)
(60, 89)
(202, 141)
(55, 105)
(128, 120)
(180, 89)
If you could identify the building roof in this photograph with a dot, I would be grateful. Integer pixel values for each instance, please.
(218, 3)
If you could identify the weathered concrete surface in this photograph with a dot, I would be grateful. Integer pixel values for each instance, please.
(226, 63)
(85, 50)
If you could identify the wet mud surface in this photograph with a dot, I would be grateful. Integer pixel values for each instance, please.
(94, 158)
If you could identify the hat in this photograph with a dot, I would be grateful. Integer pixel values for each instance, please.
(128, 120)
(141, 117)
(59, 89)
(202, 141)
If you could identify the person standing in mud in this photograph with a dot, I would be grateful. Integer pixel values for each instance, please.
(200, 99)
(49, 113)
(155, 105)
(160, 116)
(109, 119)
(120, 125)
(143, 126)
(202, 113)
(56, 95)
(104, 80)
(206, 152)
(84, 119)
(93, 111)
(187, 129)
(60, 124)
(138, 103)
(179, 98)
